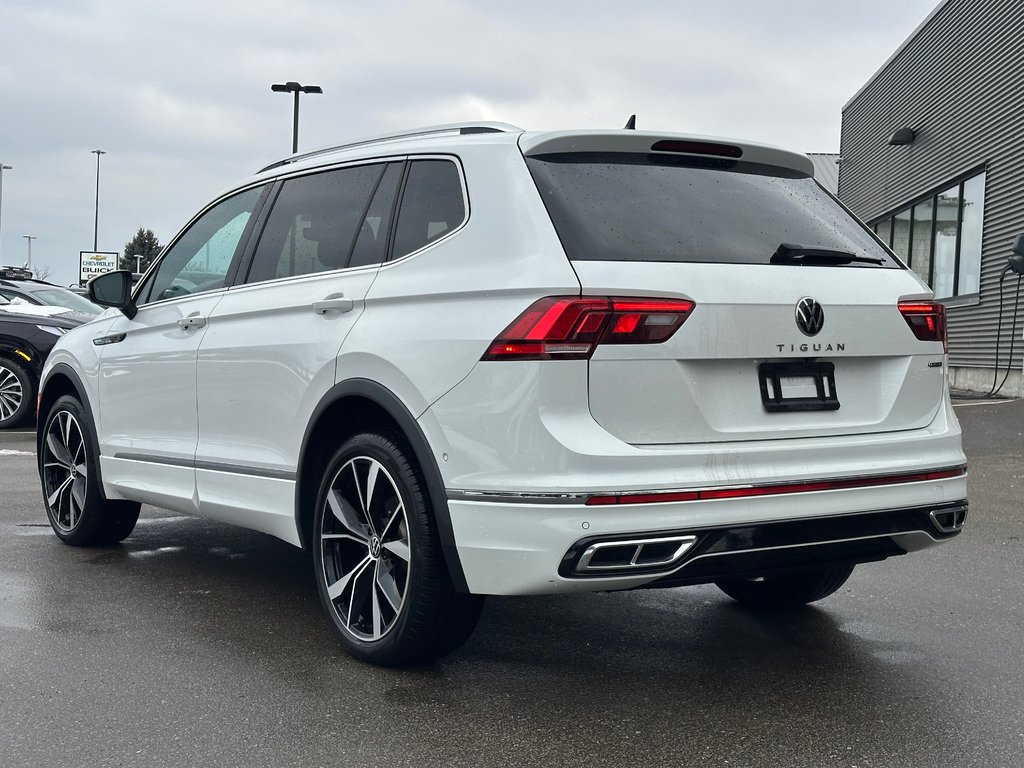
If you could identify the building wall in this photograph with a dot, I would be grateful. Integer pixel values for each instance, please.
(959, 82)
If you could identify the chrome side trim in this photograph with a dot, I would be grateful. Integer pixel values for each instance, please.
(170, 461)
(235, 469)
(506, 497)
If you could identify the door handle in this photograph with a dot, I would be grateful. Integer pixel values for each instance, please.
(336, 302)
(192, 321)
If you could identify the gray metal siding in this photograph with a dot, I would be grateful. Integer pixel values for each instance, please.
(959, 82)
(826, 170)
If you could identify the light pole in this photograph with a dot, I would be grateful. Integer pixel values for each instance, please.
(2, 169)
(30, 238)
(292, 87)
(96, 223)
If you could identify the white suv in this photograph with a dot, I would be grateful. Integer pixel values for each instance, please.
(472, 360)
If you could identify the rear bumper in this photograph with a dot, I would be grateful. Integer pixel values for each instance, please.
(517, 548)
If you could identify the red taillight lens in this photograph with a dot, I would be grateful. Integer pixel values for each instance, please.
(774, 490)
(927, 319)
(697, 148)
(570, 328)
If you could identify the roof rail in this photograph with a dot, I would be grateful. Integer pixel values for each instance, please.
(434, 130)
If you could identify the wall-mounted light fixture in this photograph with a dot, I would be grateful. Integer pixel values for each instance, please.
(903, 136)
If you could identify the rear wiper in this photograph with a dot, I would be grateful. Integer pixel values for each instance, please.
(788, 253)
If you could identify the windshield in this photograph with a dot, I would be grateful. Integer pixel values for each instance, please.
(60, 297)
(632, 207)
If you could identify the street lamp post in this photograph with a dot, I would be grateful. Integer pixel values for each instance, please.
(293, 87)
(30, 238)
(2, 169)
(96, 222)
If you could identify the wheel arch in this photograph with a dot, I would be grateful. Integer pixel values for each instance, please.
(357, 405)
(61, 380)
(14, 350)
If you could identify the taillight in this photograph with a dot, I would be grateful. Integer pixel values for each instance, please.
(570, 328)
(927, 319)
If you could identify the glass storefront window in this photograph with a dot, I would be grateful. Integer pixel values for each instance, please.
(947, 216)
(884, 231)
(940, 237)
(921, 248)
(901, 234)
(970, 235)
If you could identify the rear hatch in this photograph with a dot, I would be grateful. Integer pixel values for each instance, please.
(797, 328)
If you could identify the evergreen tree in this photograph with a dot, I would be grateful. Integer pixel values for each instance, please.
(144, 244)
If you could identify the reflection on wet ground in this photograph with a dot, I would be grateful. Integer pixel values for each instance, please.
(196, 643)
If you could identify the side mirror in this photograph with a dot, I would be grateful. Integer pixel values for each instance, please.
(114, 289)
(1016, 262)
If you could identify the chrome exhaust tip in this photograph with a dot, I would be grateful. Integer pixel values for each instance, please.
(634, 555)
(948, 519)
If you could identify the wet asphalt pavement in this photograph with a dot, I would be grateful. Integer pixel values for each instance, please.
(196, 644)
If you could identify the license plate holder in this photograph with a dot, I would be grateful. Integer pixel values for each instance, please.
(800, 385)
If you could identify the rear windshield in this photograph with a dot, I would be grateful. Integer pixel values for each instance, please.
(634, 207)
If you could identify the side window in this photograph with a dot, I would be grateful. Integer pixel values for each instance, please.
(432, 205)
(199, 259)
(314, 223)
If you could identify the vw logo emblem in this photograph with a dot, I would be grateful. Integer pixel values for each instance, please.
(375, 547)
(810, 317)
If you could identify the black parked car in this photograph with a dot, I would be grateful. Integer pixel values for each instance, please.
(25, 341)
(18, 286)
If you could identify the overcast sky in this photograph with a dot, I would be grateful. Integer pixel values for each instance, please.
(178, 93)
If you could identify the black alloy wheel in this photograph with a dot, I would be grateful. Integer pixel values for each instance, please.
(378, 564)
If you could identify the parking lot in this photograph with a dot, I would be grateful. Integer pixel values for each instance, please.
(200, 644)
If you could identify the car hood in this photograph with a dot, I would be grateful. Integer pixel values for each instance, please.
(55, 316)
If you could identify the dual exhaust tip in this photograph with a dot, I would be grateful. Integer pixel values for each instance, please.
(948, 519)
(664, 553)
(634, 555)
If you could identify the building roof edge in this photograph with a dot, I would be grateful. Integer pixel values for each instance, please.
(896, 53)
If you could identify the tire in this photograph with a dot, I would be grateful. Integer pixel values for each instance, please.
(377, 560)
(78, 511)
(786, 590)
(17, 393)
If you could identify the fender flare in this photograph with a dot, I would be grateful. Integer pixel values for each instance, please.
(76, 382)
(397, 410)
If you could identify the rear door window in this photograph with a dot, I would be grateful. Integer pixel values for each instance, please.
(315, 223)
(636, 207)
(432, 205)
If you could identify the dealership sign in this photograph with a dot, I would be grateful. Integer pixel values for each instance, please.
(96, 263)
